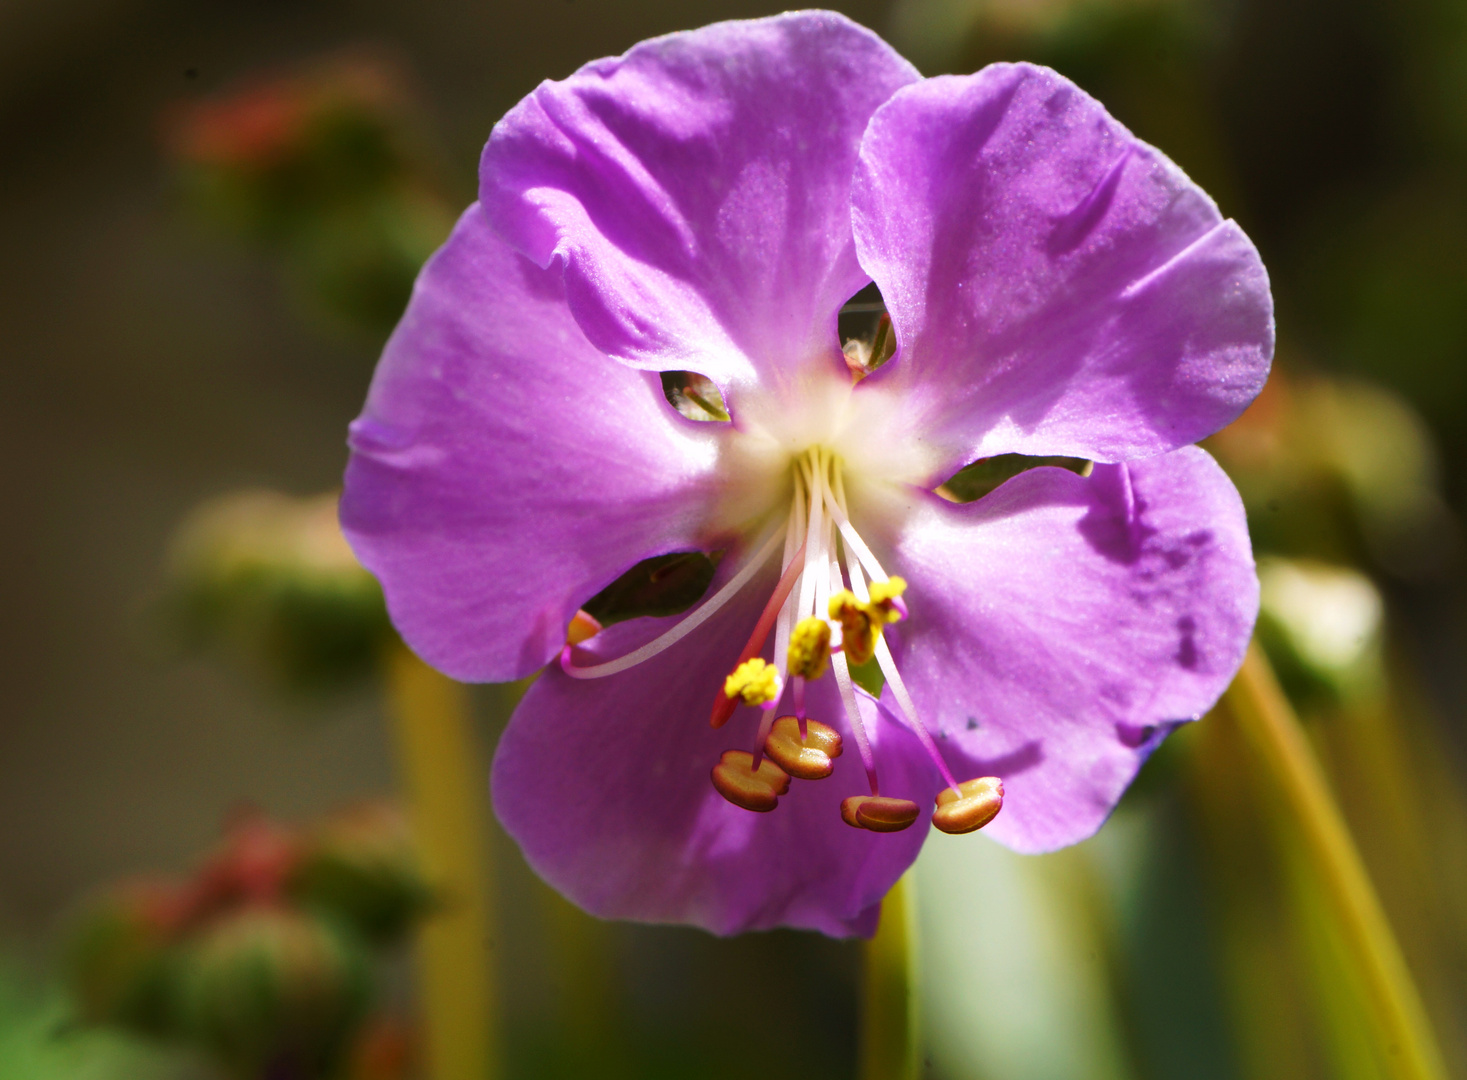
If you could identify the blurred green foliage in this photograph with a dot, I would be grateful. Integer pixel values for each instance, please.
(977, 479)
(268, 581)
(41, 1039)
(268, 991)
(327, 167)
(263, 960)
(662, 585)
(361, 867)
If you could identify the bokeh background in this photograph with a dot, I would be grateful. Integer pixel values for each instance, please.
(171, 333)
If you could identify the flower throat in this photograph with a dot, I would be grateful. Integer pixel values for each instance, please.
(828, 611)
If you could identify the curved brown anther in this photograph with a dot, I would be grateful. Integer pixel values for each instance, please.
(812, 758)
(737, 781)
(969, 806)
(878, 813)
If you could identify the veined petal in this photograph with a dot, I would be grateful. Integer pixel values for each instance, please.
(1057, 286)
(605, 785)
(504, 471)
(1061, 626)
(697, 191)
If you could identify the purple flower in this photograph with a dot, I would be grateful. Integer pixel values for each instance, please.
(708, 202)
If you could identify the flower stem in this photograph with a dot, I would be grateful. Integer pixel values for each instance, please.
(1269, 723)
(889, 1047)
(445, 783)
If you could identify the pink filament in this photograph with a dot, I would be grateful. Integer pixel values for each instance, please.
(765, 723)
(853, 714)
(723, 705)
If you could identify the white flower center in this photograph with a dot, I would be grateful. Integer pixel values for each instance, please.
(862, 426)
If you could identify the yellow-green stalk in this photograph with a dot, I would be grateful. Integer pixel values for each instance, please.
(446, 784)
(1268, 722)
(889, 1047)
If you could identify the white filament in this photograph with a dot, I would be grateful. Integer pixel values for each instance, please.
(814, 553)
(853, 540)
(794, 534)
(887, 663)
(682, 629)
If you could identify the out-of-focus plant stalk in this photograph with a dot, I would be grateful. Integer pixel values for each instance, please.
(445, 783)
(889, 1044)
(1268, 722)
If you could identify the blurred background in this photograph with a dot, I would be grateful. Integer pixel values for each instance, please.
(212, 215)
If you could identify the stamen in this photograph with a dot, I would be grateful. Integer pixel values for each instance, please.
(887, 591)
(805, 755)
(678, 632)
(862, 619)
(793, 539)
(841, 667)
(814, 555)
(809, 648)
(873, 566)
(724, 704)
(904, 699)
(754, 682)
(969, 806)
(756, 788)
(878, 813)
(765, 722)
(893, 677)
(885, 594)
(852, 538)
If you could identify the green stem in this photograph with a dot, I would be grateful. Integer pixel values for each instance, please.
(1269, 723)
(889, 1047)
(446, 784)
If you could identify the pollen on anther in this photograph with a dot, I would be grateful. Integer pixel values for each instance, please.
(809, 652)
(884, 593)
(861, 621)
(754, 682)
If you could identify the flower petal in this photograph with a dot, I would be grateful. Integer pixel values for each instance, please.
(1057, 286)
(697, 190)
(504, 471)
(605, 785)
(1062, 625)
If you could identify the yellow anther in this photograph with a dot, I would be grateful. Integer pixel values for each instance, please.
(884, 592)
(810, 648)
(861, 620)
(858, 632)
(753, 682)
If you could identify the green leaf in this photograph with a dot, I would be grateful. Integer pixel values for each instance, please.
(664, 585)
(977, 479)
(693, 395)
